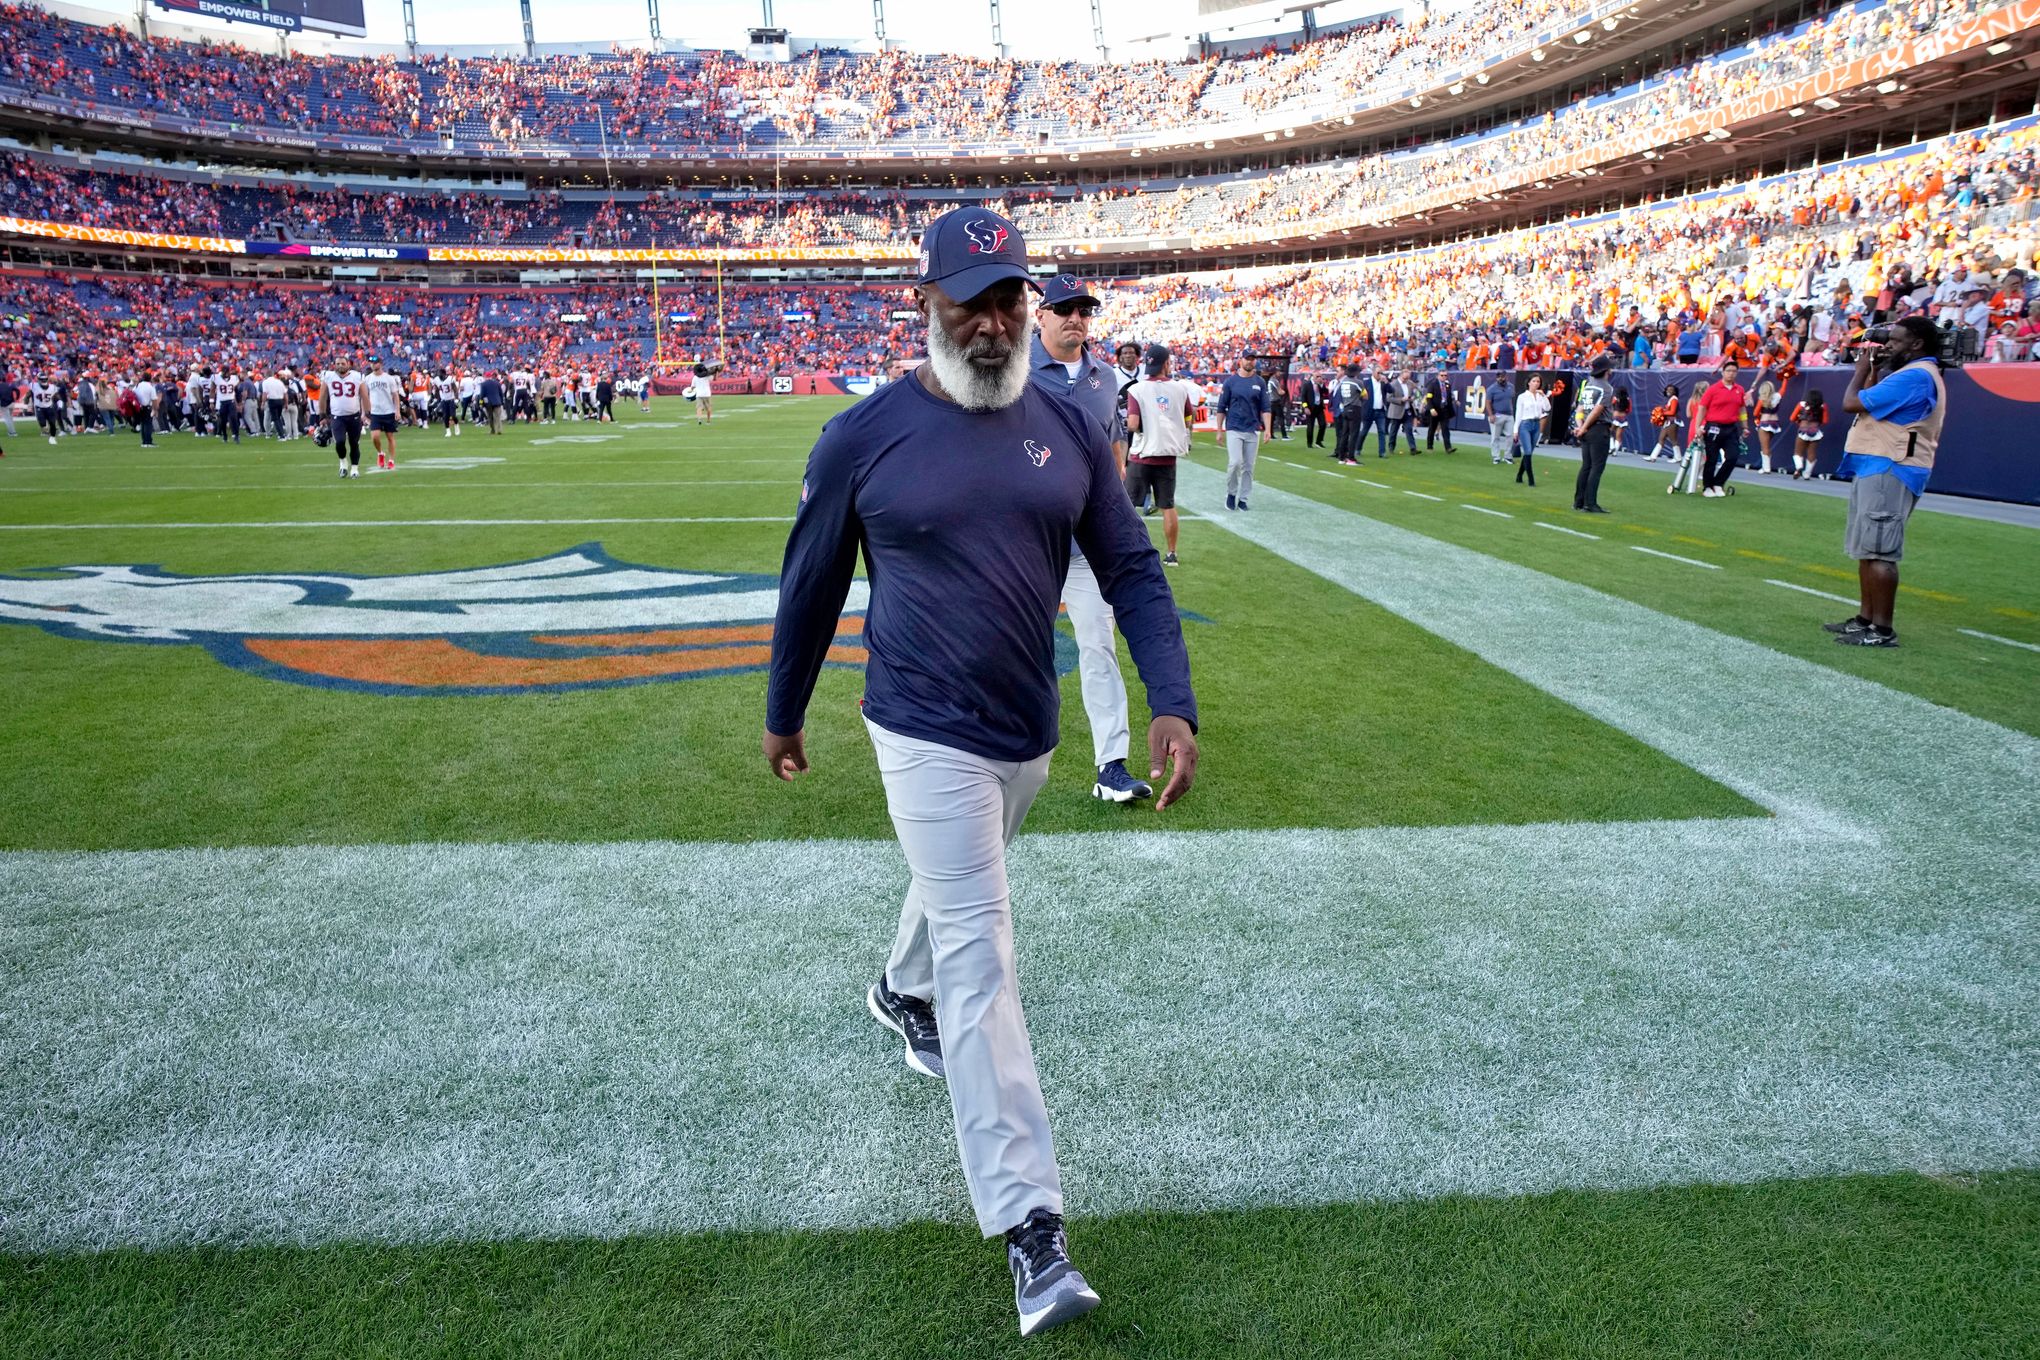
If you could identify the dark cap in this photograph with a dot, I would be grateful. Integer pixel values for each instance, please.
(1154, 357)
(1066, 288)
(1602, 363)
(967, 250)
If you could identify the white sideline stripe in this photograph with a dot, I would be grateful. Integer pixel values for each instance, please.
(400, 523)
(1382, 485)
(1483, 510)
(423, 1042)
(1327, 472)
(1423, 495)
(1809, 590)
(1561, 529)
(1673, 557)
(1993, 637)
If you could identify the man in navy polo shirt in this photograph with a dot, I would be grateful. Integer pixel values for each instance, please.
(1061, 362)
(963, 486)
(1243, 409)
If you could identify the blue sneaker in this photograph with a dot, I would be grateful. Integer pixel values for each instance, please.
(1115, 785)
(1243, 505)
(1231, 503)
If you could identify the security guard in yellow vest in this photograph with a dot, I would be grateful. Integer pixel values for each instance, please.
(1890, 455)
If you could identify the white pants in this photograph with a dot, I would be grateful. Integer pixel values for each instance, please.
(1241, 448)
(1097, 661)
(955, 813)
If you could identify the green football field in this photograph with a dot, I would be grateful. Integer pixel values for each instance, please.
(1567, 950)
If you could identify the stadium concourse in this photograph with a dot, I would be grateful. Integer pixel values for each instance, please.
(1567, 948)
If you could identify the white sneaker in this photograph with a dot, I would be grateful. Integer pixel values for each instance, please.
(354, 472)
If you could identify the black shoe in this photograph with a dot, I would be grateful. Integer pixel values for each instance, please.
(1847, 626)
(913, 1020)
(1047, 1290)
(1872, 636)
(1596, 510)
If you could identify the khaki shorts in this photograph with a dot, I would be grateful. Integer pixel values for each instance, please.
(1878, 508)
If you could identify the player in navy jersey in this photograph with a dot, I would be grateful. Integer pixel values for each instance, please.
(963, 486)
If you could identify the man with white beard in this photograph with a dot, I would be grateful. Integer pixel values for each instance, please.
(964, 486)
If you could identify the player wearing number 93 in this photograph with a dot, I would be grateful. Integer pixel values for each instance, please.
(964, 485)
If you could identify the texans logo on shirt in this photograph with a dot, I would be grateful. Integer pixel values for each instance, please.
(985, 238)
(1096, 382)
(1038, 452)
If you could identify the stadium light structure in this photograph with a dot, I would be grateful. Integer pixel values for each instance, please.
(652, 8)
(998, 33)
(530, 46)
(411, 29)
(878, 22)
(1098, 28)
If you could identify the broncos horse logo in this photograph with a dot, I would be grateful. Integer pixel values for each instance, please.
(579, 619)
(986, 238)
(1038, 452)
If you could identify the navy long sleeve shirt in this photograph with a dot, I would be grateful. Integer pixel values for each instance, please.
(965, 519)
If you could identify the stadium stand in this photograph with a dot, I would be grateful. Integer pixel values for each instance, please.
(1289, 201)
(715, 98)
(1680, 282)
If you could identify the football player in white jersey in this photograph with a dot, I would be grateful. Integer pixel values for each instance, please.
(385, 392)
(340, 396)
(446, 388)
(226, 404)
(49, 416)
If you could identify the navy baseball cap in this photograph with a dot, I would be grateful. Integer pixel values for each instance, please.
(967, 250)
(1066, 288)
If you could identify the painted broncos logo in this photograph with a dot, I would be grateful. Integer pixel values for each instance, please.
(577, 620)
(986, 238)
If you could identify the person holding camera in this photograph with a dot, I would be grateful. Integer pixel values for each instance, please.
(1890, 454)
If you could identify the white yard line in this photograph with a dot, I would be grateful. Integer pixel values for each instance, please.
(1993, 637)
(397, 523)
(1423, 495)
(440, 482)
(1561, 529)
(1327, 472)
(1365, 482)
(1809, 590)
(1673, 557)
(1483, 510)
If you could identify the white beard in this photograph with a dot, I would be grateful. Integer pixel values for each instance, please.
(975, 388)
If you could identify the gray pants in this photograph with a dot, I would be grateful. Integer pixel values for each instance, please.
(955, 813)
(1241, 448)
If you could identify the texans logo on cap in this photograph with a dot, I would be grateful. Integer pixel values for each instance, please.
(986, 238)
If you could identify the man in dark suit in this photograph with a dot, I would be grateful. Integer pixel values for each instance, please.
(1312, 402)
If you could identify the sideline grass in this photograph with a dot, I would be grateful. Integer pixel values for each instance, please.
(1323, 710)
(1898, 1266)
(1958, 573)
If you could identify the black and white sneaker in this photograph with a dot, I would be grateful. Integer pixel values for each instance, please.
(1873, 636)
(1047, 1289)
(1115, 785)
(913, 1020)
(1848, 626)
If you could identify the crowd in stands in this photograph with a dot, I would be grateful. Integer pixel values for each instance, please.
(1680, 283)
(1288, 201)
(1778, 274)
(715, 98)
